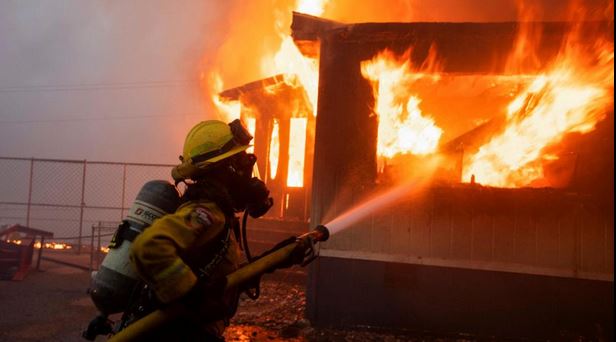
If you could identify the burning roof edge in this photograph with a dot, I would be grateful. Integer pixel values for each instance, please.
(233, 94)
(308, 30)
(308, 27)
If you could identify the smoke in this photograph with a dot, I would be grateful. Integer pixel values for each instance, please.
(254, 29)
(103, 80)
(124, 81)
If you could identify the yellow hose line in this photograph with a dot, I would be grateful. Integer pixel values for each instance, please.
(139, 329)
(259, 266)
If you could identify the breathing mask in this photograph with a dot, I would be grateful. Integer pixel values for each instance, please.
(248, 193)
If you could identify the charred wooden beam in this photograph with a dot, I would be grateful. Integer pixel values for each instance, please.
(308, 27)
(474, 138)
(233, 94)
(461, 47)
(307, 31)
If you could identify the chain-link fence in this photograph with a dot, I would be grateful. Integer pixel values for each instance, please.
(69, 197)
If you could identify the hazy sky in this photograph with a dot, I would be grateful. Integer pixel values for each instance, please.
(119, 80)
(103, 80)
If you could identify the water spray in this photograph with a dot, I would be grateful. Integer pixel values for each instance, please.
(281, 254)
(410, 187)
(375, 204)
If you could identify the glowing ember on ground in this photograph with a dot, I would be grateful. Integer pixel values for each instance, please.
(402, 126)
(48, 245)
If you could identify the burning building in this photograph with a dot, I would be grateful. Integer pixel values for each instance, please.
(513, 233)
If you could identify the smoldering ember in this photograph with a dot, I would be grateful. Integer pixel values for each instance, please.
(394, 170)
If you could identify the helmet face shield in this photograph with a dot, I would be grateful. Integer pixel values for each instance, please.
(240, 133)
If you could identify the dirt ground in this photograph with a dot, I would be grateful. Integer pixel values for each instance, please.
(52, 305)
(278, 315)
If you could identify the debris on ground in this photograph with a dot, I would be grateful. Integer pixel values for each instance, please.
(279, 315)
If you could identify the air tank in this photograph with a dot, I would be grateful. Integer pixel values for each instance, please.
(115, 281)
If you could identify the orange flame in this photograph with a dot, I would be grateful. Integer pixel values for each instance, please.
(312, 7)
(524, 56)
(230, 110)
(402, 127)
(251, 126)
(297, 68)
(298, 71)
(51, 245)
(573, 95)
(289, 60)
(274, 150)
(297, 152)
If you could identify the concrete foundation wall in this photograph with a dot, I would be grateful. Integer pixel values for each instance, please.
(349, 292)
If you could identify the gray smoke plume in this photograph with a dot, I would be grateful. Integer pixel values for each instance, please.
(103, 80)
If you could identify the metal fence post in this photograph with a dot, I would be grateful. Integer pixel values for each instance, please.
(30, 192)
(92, 250)
(83, 190)
(98, 248)
(123, 191)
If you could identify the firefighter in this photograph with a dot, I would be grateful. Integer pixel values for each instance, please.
(183, 255)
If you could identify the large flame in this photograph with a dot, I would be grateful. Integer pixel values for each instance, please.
(228, 110)
(298, 71)
(402, 126)
(571, 96)
(289, 60)
(274, 149)
(312, 7)
(251, 126)
(297, 152)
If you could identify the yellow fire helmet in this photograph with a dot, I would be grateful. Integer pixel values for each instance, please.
(209, 142)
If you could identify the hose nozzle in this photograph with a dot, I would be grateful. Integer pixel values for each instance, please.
(323, 233)
(320, 233)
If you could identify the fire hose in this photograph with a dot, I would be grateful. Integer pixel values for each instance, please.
(264, 264)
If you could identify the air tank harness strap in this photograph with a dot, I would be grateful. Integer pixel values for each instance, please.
(253, 288)
(124, 232)
(206, 271)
